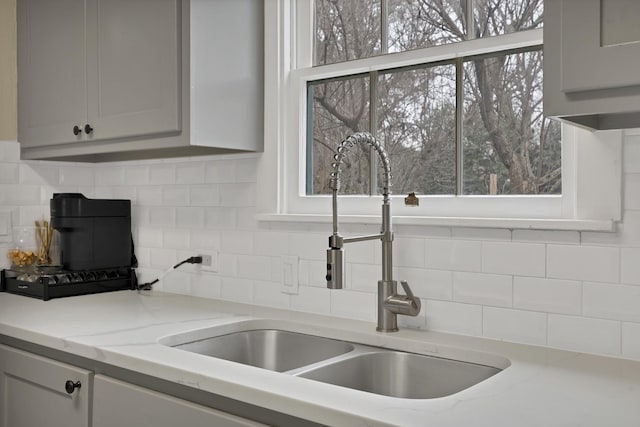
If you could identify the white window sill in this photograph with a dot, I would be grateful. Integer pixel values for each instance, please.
(508, 223)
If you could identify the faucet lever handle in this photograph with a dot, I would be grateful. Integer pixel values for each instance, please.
(407, 289)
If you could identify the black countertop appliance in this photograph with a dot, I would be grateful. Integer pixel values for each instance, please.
(94, 248)
(94, 233)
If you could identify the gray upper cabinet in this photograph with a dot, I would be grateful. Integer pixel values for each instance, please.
(108, 68)
(102, 80)
(592, 54)
(52, 80)
(133, 67)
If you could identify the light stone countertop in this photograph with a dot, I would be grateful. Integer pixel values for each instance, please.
(539, 387)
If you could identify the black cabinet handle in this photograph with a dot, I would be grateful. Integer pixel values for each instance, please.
(88, 129)
(70, 386)
(76, 130)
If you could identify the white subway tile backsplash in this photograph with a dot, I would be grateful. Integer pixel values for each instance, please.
(204, 195)
(237, 195)
(550, 295)
(190, 173)
(453, 317)
(566, 289)
(9, 173)
(71, 175)
(277, 267)
(149, 237)
(143, 255)
(39, 173)
(631, 157)
(522, 259)
(27, 215)
(424, 231)
(270, 243)
(175, 195)
(206, 285)
(630, 265)
(222, 218)
(431, 284)
(316, 272)
(483, 289)
(630, 199)
(124, 193)
(246, 170)
(103, 193)
(137, 175)
(110, 176)
(237, 242)
(255, 267)
(162, 258)
(177, 282)
(20, 195)
(594, 263)
(209, 240)
(584, 334)
(235, 289)
(175, 239)
(149, 195)
(312, 299)
(361, 277)
(360, 252)
(246, 218)
(612, 301)
(162, 216)
(627, 232)
(353, 304)
(187, 217)
(162, 174)
(227, 264)
(220, 171)
(515, 325)
(631, 340)
(407, 252)
(310, 246)
(9, 152)
(268, 294)
(458, 255)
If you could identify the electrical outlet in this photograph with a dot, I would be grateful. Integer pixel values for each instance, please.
(289, 275)
(209, 262)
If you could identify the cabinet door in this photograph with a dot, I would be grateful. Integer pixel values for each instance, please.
(32, 392)
(134, 67)
(51, 68)
(600, 44)
(138, 406)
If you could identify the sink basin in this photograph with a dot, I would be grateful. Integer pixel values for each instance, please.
(399, 374)
(274, 345)
(271, 349)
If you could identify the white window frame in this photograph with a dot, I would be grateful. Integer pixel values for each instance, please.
(587, 202)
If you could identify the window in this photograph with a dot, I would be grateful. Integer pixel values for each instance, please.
(493, 139)
(458, 110)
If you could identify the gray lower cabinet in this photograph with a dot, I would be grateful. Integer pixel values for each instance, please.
(33, 392)
(117, 403)
(591, 58)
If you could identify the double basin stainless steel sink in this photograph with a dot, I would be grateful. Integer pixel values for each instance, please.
(361, 367)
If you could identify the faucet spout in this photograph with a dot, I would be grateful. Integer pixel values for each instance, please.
(390, 303)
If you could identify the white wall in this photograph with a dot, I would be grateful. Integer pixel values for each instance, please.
(564, 289)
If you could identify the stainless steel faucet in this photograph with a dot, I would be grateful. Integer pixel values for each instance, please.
(390, 303)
